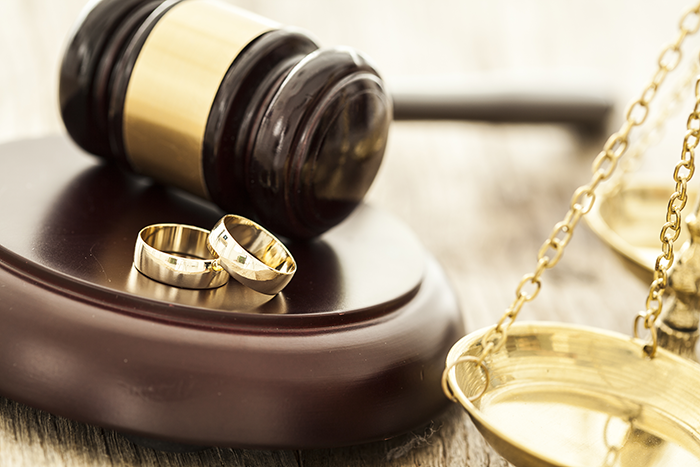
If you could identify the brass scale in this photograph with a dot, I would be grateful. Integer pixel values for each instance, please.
(548, 394)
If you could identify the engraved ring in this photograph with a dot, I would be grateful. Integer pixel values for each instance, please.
(178, 255)
(251, 254)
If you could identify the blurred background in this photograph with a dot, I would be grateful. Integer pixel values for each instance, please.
(613, 44)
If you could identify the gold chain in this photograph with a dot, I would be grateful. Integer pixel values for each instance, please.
(603, 166)
(651, 136)
(671, 230)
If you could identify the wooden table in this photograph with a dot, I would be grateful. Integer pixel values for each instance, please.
(481, 197)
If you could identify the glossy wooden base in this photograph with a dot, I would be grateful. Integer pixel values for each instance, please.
(351, 351)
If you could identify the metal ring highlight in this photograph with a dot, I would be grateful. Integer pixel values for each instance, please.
(178, 255)
(649, 349)
(251, 254)
(446, 373)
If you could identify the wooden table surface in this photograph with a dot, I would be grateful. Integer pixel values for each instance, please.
(481, 197)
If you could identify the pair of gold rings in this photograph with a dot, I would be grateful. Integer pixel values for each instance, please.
(194, 258)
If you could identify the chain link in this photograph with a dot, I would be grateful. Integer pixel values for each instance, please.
(671, 230)
(582, 201)
(689, 23)
(654, 133)
(612, 456)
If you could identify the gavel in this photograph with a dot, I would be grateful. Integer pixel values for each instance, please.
(230, 106)
(235, 108)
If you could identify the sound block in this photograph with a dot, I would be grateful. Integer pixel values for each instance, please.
(350, 352)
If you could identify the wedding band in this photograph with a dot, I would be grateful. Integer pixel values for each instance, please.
(252, 255)
(178, 255)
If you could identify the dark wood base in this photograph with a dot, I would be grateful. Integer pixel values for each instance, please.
(350, 352)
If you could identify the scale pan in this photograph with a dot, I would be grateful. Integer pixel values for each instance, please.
(563, 395)
(629, 218)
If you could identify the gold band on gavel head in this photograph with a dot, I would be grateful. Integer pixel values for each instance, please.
(173, 85)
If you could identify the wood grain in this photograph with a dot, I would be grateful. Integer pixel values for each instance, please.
(32, 437)
(481, 197)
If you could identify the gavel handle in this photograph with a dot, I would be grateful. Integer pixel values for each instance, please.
(551, 100)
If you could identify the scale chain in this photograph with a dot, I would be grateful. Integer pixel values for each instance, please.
(649, 137)
(584, 197)
(671, 230)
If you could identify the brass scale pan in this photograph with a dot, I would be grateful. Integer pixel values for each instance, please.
(565, 395)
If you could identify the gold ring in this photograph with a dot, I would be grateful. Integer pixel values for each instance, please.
(252, 255)
(178, 255)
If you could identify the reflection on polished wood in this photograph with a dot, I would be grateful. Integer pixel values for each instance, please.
(335, 359)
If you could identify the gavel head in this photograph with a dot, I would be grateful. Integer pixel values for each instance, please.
(227, 105)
